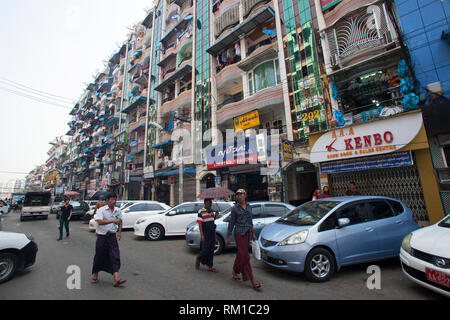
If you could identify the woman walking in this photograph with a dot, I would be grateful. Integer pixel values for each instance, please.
(242, 224)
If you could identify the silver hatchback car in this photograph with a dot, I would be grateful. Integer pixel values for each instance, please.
(320, 236)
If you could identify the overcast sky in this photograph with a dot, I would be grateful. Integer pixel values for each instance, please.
(55, 47)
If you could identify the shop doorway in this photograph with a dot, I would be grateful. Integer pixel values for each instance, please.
(401, 183)
(254, 183)
(302, 181)
(163, 193)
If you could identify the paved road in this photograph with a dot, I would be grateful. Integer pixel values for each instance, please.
(165, 270)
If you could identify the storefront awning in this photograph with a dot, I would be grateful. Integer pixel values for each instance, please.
(161, 144)
(174, 172)
(242, 30)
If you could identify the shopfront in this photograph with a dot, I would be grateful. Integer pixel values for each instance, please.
(239, 164)
(388, 157)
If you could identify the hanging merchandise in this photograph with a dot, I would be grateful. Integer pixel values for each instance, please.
(402, 69)
(334, 91)
(339, 118)
(410, 101)
(406, 85)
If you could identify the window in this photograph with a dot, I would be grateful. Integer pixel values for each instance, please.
(224, 206)
(397, 207)
(275, 210)
(329, 223)
(265, 75)
(153, 207)
(139, 207)
(256, 211)
(380, 210)
(186, 209)
(355, 213)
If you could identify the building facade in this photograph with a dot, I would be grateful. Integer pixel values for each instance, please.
(279, 97)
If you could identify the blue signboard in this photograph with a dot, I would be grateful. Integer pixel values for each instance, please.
(391, 160)
(232, 153)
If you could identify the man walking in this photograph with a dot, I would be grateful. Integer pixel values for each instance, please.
(242, 224)
(207, 228)
(352, 191)
(64, 218)
(109, 230)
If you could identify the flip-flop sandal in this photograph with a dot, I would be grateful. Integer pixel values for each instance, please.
(237, 279)
(213, 270)
(118, 283)
(93, 281)
(257, 287)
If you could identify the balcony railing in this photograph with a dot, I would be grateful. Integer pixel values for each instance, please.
(231, 99)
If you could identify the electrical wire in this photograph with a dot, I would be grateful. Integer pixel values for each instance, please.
(38, 92)
(18, 93)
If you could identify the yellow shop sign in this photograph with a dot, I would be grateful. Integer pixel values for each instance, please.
(246, 121)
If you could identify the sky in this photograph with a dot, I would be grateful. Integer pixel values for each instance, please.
(56, 47)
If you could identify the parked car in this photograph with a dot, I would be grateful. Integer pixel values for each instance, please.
(319, 237)
(36, 204)
(425, 256)
(92, 204)
(134, 211)
(17, 251)
(79, 209)
(264, 212)
(173, 222)
(4, 207)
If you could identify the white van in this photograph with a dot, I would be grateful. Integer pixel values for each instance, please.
(36, 204)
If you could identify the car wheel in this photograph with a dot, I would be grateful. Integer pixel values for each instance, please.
(8, 266)
(219, 246)
(319, 265)
(154, 232)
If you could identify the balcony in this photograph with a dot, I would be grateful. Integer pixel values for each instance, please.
(242, 30)
(183, 99)
(261, 52)
(136, 147)
(137, 125)
(268, 99)
(352, 40)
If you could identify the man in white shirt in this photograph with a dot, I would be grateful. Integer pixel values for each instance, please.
(109, 230)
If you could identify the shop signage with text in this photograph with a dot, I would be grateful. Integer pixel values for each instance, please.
(378, 137)
(246, 121)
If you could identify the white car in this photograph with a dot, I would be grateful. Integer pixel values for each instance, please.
(4, 207)
(425, 256)
(17, 251)
(173, 222)
(136, 211)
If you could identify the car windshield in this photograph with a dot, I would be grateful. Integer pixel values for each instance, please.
(308, 214)
(224, 212)
(445, 223)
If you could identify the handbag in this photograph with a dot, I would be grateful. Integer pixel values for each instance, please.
(256, 250)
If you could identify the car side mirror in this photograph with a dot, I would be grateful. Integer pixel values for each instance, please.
(342, 222)
(171, 213)
(227, 219)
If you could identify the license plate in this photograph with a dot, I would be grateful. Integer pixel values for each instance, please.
(438, 277)
(263, 254)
